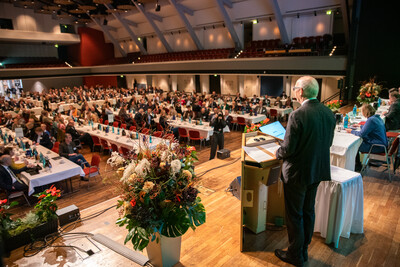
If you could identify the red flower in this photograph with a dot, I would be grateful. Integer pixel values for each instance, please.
(4, 201)
(42, 196)
(367, 94)
(178, 198)
(191, 148)
(133, 202)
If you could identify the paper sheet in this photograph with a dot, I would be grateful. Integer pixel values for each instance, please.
(271, 147)
(257, 154)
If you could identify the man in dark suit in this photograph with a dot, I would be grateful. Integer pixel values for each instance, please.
(77, 137)
(42, 138)
(69, 150)
(8, 180)
(392, 120)
(306, 162)
(260, 109)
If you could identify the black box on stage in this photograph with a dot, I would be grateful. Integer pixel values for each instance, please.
(223, 153)
(68, 214)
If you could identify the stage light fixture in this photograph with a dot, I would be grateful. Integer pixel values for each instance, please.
(56, 45)
(298, 15)
(315, 13)
(270, 19)
(255, 21)
(328, 12)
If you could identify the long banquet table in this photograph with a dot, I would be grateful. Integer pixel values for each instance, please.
(339, 206)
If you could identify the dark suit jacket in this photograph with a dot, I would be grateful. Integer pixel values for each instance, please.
(306, 147)
(392, 121)
(63, 149)
(6, 179)
(44, 141)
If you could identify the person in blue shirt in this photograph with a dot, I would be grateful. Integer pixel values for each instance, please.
(373, 132)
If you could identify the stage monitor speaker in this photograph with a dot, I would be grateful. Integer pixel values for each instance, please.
(223, 153)
(234, 187)
(68, 214)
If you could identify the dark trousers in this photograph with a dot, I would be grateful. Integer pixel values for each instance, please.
(216, 140)
(79, 159)
(300, 216)
(19, 186)
(87, 139)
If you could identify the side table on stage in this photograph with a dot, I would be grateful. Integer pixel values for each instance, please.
(339, 206)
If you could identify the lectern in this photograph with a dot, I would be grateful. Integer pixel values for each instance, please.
(261, 191)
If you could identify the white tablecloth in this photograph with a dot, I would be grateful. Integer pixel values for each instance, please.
(281, 111)
(119, 139)
(344, 150)
(248, 118)
(339, 206)
(205, 130)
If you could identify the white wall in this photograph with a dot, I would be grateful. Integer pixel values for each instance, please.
(328, 88)
(205, 84)
(161, 81)
(266, 30)
(229, 84)
(186, 83)
(251, 85)
(310, 25)
(44, 84)
(130, 79)
(26, 20)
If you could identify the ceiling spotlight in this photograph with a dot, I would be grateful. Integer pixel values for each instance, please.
(255, 21)
(213, 26)
(328, 12)
(298, 15)
(223, 25)
(204, 28)
(25, 6)
(105, 22)
(270, 19)
(315, 13)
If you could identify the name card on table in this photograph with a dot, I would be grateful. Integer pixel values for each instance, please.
(61, 108)
(110, 117)
(19, 132)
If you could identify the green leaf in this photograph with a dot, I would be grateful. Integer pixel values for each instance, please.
(129, 235)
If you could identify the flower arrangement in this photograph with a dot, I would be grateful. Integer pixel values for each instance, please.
(369, 92)
(159, 195)
(45, 210)
(254, 127)
(116, 160)
(334, 105)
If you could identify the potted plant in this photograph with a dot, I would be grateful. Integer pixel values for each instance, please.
(369, 92)
(34, 225)
(334, 105)
(159, 202)
(255, 126)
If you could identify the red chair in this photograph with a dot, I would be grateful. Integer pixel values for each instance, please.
(159, 127)
(241, 121)
(124, 151)
(157, 134)
(195, 135)
(145, 131)
(183, 133)
(388, 134)
(114, 147)
(94, 168)
(96, 142)
(170, 137)
(116, 124)
(106, 122)
(55, 148)
(123, 126)
(273, 113)
(101, 121)
(132, 129)
(105, 145)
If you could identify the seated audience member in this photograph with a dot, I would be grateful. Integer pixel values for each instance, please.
(203, 115)
(17, 124)
(86, 138)
(228, 118)
(373, 132)
(139, 118)
(15, 167)
(392, 120)
(260, 109)
(278, 102)
(8, 179)
(68, 150)
(267, 101)
(42, 138)
(189, 114)
(149, 116)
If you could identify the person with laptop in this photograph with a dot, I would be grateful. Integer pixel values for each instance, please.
(305, 152)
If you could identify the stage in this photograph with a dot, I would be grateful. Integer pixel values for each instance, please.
(216, 243)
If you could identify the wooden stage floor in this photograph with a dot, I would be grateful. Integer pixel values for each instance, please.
(216, 243)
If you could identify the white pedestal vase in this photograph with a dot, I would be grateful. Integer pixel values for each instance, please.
(165, 253)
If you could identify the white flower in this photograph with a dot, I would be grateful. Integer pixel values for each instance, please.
(115, 160)
(128, 171)
(142, 168)
(175, 166)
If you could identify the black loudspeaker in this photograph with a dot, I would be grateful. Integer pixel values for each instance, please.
(68, 214)
(223, 153)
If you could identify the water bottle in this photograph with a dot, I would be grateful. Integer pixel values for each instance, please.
(118, 131)
(181, 118)
(346, 122)
(150, 140)
(201, 122)
(190, 120)
(379, 102)
(113, 129)
(354, 111)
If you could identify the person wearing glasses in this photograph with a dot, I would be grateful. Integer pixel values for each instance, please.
(305, 152)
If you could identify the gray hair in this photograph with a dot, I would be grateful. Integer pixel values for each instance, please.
(310, 86)
(5, 159)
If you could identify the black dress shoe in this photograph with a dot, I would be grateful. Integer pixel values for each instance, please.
(284, 256)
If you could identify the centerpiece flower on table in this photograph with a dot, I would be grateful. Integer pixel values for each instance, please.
(369, 92)
(334, 105)
(253, 127)
(158, 195)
